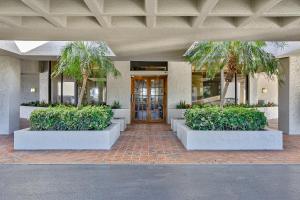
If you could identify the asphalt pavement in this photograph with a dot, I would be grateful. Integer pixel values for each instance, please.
(155, 182)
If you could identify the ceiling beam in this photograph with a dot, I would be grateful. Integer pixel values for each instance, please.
(12, 21)
(260, 7)
(42, 8)
(151, 9)
(205, 7)
(291, 22)
(96, 7)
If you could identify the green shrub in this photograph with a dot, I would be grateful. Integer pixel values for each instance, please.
(116, 105)
(270, 104)
(71, 118)
(44, 104)
(242, 105)
(183, 105)
(230, 118)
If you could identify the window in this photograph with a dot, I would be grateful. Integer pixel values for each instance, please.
(148, 66)
(96, 91)
(204, 89)
(66, 90)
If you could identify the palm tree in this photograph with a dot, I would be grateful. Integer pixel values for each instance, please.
(81, 59)
(236, 57)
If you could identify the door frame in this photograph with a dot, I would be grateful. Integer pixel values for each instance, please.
(132, 102)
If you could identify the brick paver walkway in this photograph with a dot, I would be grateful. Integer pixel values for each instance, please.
(150, 144)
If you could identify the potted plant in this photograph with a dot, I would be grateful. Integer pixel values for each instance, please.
(120, 112)
(27, 108)
(66, 127)
(121, 116)
(228, 128)
(116, 105)
(178, 112)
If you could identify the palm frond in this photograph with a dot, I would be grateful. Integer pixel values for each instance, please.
(85, 57)
(250, 57)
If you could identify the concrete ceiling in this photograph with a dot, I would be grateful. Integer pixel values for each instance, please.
(149, 29)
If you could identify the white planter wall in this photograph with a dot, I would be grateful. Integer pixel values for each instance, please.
(122, 113)
(120, 121)
(174, 113)
(270, 112)
(229, 140)
(26, 139)
(25, 111)
(175, 122)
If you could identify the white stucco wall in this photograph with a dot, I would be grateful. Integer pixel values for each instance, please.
(179, 83)
(231, 90)
(257, 83)
(29, 79)
(289, 93)
(272, 88)
(10, 75)
(119, 89)
(253, 89)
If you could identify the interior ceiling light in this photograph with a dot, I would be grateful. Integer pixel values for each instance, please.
(25, 46)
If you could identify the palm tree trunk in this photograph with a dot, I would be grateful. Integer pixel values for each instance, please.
(85, 78)
(231, 70)
(224, 94)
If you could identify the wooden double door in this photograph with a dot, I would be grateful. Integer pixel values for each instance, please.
(148, 99)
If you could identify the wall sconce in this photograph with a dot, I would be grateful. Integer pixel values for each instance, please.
(264, 90)
(32, 90)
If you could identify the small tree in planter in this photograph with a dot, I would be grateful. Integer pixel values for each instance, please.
(116, 105)
(81, 60)
(183, 105)
(237, 57)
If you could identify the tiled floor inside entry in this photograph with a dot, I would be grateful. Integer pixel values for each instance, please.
(151, 144)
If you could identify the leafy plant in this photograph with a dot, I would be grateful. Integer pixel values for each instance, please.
(71, 118)
(229, 118)
(116, 105)
(235, 57)
(44, 104)
(183, 105)
(82, 60)
(270, 104)
(242, 105)
(36, 104)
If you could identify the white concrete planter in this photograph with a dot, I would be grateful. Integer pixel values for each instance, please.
(229, 140)
(26, 139)
(120, 121)
(25, 111)
(175, 113)
(175, 122)
(122, 113)
(270, 112)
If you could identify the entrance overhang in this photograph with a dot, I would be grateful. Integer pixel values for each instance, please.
(135, 28)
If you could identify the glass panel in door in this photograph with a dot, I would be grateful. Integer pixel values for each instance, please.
(140, 99)
(156, 109)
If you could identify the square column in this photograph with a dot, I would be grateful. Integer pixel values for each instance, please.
(44, 81)
(10, 74)
(289, 96)
(179, 83)
(252, 93)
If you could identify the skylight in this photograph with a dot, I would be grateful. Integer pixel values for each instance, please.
(26, 46)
